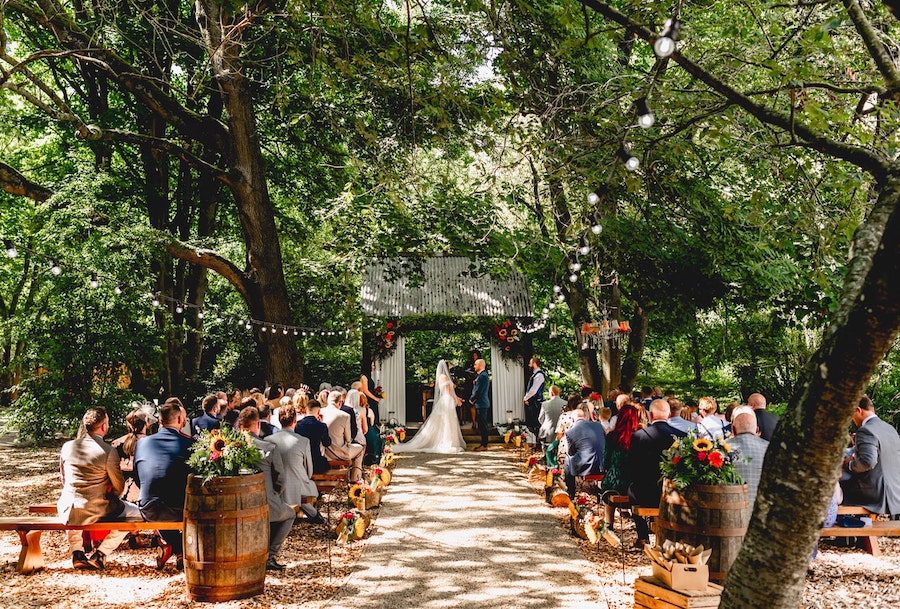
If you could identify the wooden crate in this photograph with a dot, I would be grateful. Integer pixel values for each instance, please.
(651, 593)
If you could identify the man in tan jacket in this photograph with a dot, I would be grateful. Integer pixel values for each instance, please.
(92, 482)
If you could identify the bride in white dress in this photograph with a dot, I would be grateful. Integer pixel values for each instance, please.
(440, 433)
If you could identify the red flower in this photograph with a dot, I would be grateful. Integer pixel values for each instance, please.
(390, 325)
(581, 501)
(701, 456)
(595, 396)
(214, 456)
(716, 459)
(347, 516)
(506, 324)
(676, 459)
(389, 335)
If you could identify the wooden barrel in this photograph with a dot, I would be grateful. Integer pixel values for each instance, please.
(226, 537)
(711, 515)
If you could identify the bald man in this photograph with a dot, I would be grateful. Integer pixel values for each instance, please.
(765, 420)
(753, 448)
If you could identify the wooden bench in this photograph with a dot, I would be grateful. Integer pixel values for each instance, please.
(30, 528)
(879, 528)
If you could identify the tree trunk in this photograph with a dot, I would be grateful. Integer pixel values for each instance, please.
(636, 340)
(805, 454)
(268, 301)
(612, 350)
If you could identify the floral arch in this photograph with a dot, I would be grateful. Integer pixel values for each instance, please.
(449, 293)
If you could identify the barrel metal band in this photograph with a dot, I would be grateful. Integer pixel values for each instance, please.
(744, 503)
(696, 530)
(225, 515)
(254, 560)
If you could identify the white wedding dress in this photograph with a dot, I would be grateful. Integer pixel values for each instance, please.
(440, 433)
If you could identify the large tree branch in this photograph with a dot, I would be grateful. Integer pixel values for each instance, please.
(809, 137)
(15, 183)
(147, 90)
(214, 262)
(876, 48)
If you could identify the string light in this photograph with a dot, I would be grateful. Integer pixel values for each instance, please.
(573, 278)
(93, 282)
(583, 247)
(11, 250)
(596, 227)
(631, 162)
(199, 314)
(593, 197)
(118, 289)
(54, 267)
(576, 266)
(645, 116)
(179, 309)
(665, 44)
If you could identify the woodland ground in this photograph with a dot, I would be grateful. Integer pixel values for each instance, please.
(317, 568)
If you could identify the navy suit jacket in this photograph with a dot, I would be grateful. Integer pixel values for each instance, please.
(480, 391)
(587, 443)
(160, 468)
(204, 422)
(766, 421)
(647, 446)
(316, 432)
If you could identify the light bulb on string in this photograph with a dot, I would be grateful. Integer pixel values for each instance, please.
(155, 301)
(631, 162)
(248, 325)
(179, 308)
(11, 250)
(596, 227)
(284, 331)
(573, 278)
(665, 44)
(219, 319)
(552, 305)
(583, 247)
(94, 282)
(593, 197)
(303, 333)
(557, 289)
(645, 116)
(272, 330)
(54, 267)
(263, 329)
(296, 332)
(199, 314)
(575, 267)
(560, 298)
(118, 289)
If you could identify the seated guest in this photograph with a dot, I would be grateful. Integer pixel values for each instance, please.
(91, 484)
(314, 430)
(281, 514)
(298, 464)
(136, 422)
(266, 428)
(872, 473)
(615, 457)
(161, 470)
(342, 447)
(353, 408)
(765, 420)
(548, 417)
(752, 447)
(209, 419)
(273, 399)
(566, 419)
(647, 446)
(341, 394)
(710, 425)
(587, 442)
(676, 420)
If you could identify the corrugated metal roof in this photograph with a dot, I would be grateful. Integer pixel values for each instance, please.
(445, 286)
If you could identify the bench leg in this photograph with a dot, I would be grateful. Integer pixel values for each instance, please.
(871, 545)
(30, 558)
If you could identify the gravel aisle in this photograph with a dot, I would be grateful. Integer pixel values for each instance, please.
(467, 530)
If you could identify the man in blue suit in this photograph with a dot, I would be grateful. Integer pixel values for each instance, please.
(161, 471)
(587, 443)
(480, 401)
(207, 421)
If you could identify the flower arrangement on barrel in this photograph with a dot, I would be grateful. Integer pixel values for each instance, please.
(363, 495)
(385, 340)
(507, 337)
(380, 476)
(693, 460)
(224, 452)
(387, 457)
(392, 433)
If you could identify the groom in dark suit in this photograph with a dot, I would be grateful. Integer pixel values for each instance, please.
(480, 401)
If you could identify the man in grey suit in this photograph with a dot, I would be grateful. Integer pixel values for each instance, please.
(549, 416)
(298, 464)
(873, 470)
(342, 447)
(480, 401)
(752, 448)
(587, 443)
(281, 515)
(91, 484)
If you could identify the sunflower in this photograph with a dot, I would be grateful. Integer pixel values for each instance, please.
(725, 446)
(218, 445)
(357, 492)
(501, 333)
(702, 444)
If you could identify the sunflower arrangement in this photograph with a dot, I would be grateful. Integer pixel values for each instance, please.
(352, 526)
(554, 475)
(392, 434)
(380, 476)
(584, 522)
(387, 457)
(224, 452)
(508, 337)
(693, 460)
(385, 341)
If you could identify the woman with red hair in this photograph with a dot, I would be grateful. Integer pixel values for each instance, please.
(615, 459)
